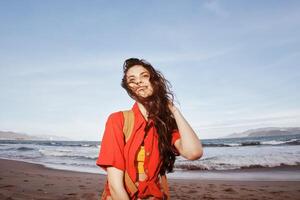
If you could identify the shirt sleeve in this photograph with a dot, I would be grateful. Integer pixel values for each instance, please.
(175, 137)
(112, 145)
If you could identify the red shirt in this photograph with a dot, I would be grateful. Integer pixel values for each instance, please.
(115, 152)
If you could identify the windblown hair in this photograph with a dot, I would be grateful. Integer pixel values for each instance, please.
(158, 110)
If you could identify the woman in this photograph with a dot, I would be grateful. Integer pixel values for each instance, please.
(160, 133)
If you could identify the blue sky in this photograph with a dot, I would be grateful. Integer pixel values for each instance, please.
(233, 65)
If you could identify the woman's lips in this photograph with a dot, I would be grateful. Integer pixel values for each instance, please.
(141, 88)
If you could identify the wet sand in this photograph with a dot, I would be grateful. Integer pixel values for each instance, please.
(20, 180)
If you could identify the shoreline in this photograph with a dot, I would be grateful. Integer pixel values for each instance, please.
(278, 173)
(21, 180)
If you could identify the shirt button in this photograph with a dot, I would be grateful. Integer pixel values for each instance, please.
(146, 170)
(148, 153)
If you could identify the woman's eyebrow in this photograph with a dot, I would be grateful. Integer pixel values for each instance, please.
(132, 76)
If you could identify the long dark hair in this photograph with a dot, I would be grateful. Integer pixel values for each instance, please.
(158, 110)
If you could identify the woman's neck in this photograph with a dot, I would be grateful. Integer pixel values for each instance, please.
(143, 110)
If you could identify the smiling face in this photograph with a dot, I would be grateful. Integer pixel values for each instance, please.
(138, 80)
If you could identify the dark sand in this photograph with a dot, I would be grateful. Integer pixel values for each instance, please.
(20, 180)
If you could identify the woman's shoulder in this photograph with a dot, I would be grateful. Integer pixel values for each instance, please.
(116, 116)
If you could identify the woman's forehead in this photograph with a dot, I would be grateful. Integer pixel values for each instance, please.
(136, 70)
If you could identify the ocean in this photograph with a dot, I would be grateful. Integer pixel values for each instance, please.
(219, 154)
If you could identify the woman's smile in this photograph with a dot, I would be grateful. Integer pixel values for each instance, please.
(143, 91)
(141, 88)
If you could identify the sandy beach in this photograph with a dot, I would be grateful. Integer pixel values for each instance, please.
(20, 180)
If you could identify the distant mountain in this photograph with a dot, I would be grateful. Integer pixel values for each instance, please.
(269, 131)
(9, 135)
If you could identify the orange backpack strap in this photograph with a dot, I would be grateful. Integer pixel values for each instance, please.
(130, 184)
(127, 130)
(128, 123)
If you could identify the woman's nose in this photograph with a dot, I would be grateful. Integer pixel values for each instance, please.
(138, 81)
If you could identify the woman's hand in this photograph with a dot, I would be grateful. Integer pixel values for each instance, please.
(172, 107)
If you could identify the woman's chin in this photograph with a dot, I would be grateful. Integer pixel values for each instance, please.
(143, 97)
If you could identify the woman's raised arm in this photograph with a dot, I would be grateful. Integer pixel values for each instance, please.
(189, 145)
